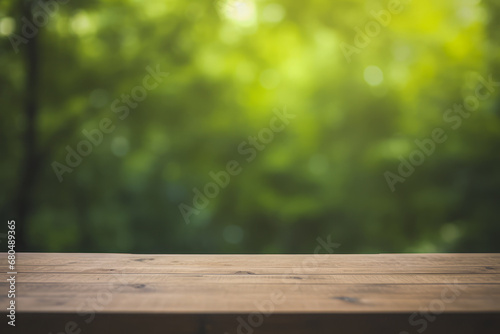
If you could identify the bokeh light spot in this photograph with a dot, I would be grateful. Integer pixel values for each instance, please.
(98, 98)
(269, 79)
(120, 146)
(233, 234)
(242, 12)
(373, 75)
(273, 13)
(7, 26)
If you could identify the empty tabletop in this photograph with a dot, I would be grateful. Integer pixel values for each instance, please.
(122, 293)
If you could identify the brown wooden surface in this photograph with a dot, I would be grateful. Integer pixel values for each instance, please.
(207, 293)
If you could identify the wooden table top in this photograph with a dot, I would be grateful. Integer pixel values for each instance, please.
(291, 289)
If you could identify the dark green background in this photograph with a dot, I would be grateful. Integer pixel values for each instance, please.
(323, 175)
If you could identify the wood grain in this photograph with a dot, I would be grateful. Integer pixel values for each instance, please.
(291, 293)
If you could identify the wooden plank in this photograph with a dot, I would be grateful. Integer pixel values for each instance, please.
(247, 298)
(210, 279)
(264, 264)
(217, 289)
(270, 260)
(306, 299)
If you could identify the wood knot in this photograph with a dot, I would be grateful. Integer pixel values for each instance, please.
(351, 300)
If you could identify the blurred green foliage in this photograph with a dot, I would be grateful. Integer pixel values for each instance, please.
(230, 65)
